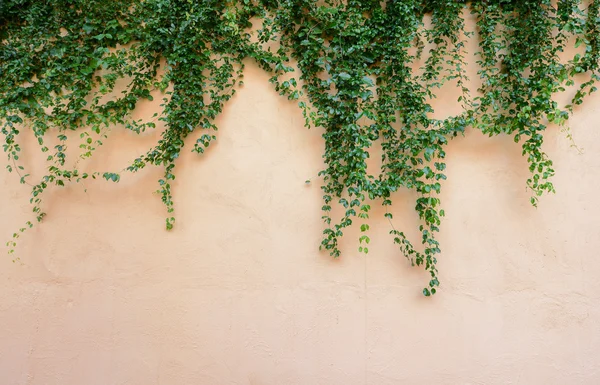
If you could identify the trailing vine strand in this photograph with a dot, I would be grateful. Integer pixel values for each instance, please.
(71, 70)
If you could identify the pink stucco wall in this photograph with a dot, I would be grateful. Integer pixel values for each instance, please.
(238, 292)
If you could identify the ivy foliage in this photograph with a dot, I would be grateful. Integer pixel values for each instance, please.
(363, 71)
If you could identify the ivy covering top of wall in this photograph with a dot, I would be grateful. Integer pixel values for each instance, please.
(354, 60)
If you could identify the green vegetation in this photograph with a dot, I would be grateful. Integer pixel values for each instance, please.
(353, 61)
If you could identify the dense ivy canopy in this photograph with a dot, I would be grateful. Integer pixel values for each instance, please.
(350, 65)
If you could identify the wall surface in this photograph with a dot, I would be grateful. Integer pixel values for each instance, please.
(238, 292)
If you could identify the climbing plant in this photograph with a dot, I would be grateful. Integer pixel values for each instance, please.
(362, 71)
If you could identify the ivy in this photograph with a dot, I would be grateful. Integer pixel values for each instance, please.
(72, 70)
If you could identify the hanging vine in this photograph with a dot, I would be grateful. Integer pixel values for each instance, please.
(357, 77)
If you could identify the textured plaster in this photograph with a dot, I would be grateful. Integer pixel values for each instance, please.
(238, 293)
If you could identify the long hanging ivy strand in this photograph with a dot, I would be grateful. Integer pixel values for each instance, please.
(350, 66)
